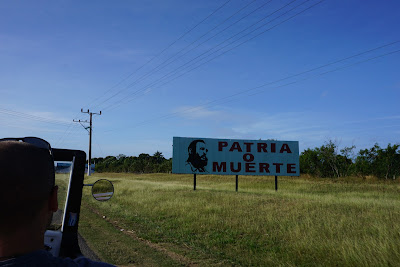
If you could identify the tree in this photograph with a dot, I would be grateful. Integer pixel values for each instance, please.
(120, 156)
(366, 161)
(325, 161)
(328, 157)
(158, 157)
(346, 161)
(309, 162)
(382, 163)
(166, 166)
(388, 162)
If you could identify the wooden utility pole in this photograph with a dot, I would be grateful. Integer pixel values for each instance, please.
(89, 129)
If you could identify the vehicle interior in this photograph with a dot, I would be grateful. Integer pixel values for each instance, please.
(61, 237)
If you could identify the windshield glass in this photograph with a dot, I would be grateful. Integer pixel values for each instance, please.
(63, 174)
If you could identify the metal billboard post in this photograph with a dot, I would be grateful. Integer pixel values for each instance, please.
(276, 183)
(237, 182)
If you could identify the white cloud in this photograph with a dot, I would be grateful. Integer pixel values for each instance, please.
(394, 117)
(22, 124)
(311, 129)
(49, 116)
(301, 126)
(196, 112)
(245, 124)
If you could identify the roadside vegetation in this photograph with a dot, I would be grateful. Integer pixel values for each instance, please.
(158, 220)
(144, 163)
(329, 161)
(324, 161)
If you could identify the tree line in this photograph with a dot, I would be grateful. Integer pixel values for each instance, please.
(325, 161)
(144, 163)
(329, 161)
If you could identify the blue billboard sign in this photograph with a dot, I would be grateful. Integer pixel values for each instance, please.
(235, 157)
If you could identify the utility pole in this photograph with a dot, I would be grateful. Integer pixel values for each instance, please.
(89, 129)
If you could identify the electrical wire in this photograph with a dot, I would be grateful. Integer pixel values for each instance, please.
(149, 61)
(165, 64)
(209, 104)
(326, 65)
(66, 134)
(170, 74)
(174, 72)
(160, 53)
(223, 31)
(32, 117)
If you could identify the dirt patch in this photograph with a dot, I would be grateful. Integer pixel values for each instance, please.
(174, 256)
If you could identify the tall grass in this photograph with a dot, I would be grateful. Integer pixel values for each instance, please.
(307, 222)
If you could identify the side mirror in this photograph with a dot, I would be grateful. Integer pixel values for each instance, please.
(102, 190)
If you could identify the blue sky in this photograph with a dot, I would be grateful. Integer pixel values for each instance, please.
(133, 61)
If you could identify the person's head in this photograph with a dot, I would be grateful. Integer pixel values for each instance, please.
(198, 154)
(28, 195)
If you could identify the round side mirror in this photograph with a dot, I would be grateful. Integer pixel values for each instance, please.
(102, 190)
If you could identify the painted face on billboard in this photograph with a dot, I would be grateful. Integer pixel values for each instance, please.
(197, 155)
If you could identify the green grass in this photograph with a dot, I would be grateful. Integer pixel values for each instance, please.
(62, 180)
(308, 222)
(115, 247)
(62, 183)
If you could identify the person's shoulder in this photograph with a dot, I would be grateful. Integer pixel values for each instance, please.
(82, 261)
(44, 258)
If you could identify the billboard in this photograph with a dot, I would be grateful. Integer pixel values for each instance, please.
(235, 157)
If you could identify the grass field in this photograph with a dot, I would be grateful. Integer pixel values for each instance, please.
(158, 220)
(62, 183)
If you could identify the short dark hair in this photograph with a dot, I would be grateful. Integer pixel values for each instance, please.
(27, 179)
(192, 146)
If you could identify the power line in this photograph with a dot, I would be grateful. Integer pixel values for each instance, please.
(326, 72)
(66, 134)
(172, 73)
(297, 81)
(101, 150)
(160, 53)
(286, 78)
(26, 116)
(33, 117)
(170, 45)
(215, 28)
(89, 129)
(163, 65)
(199, 56)
(307, 78)
(216, 35)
